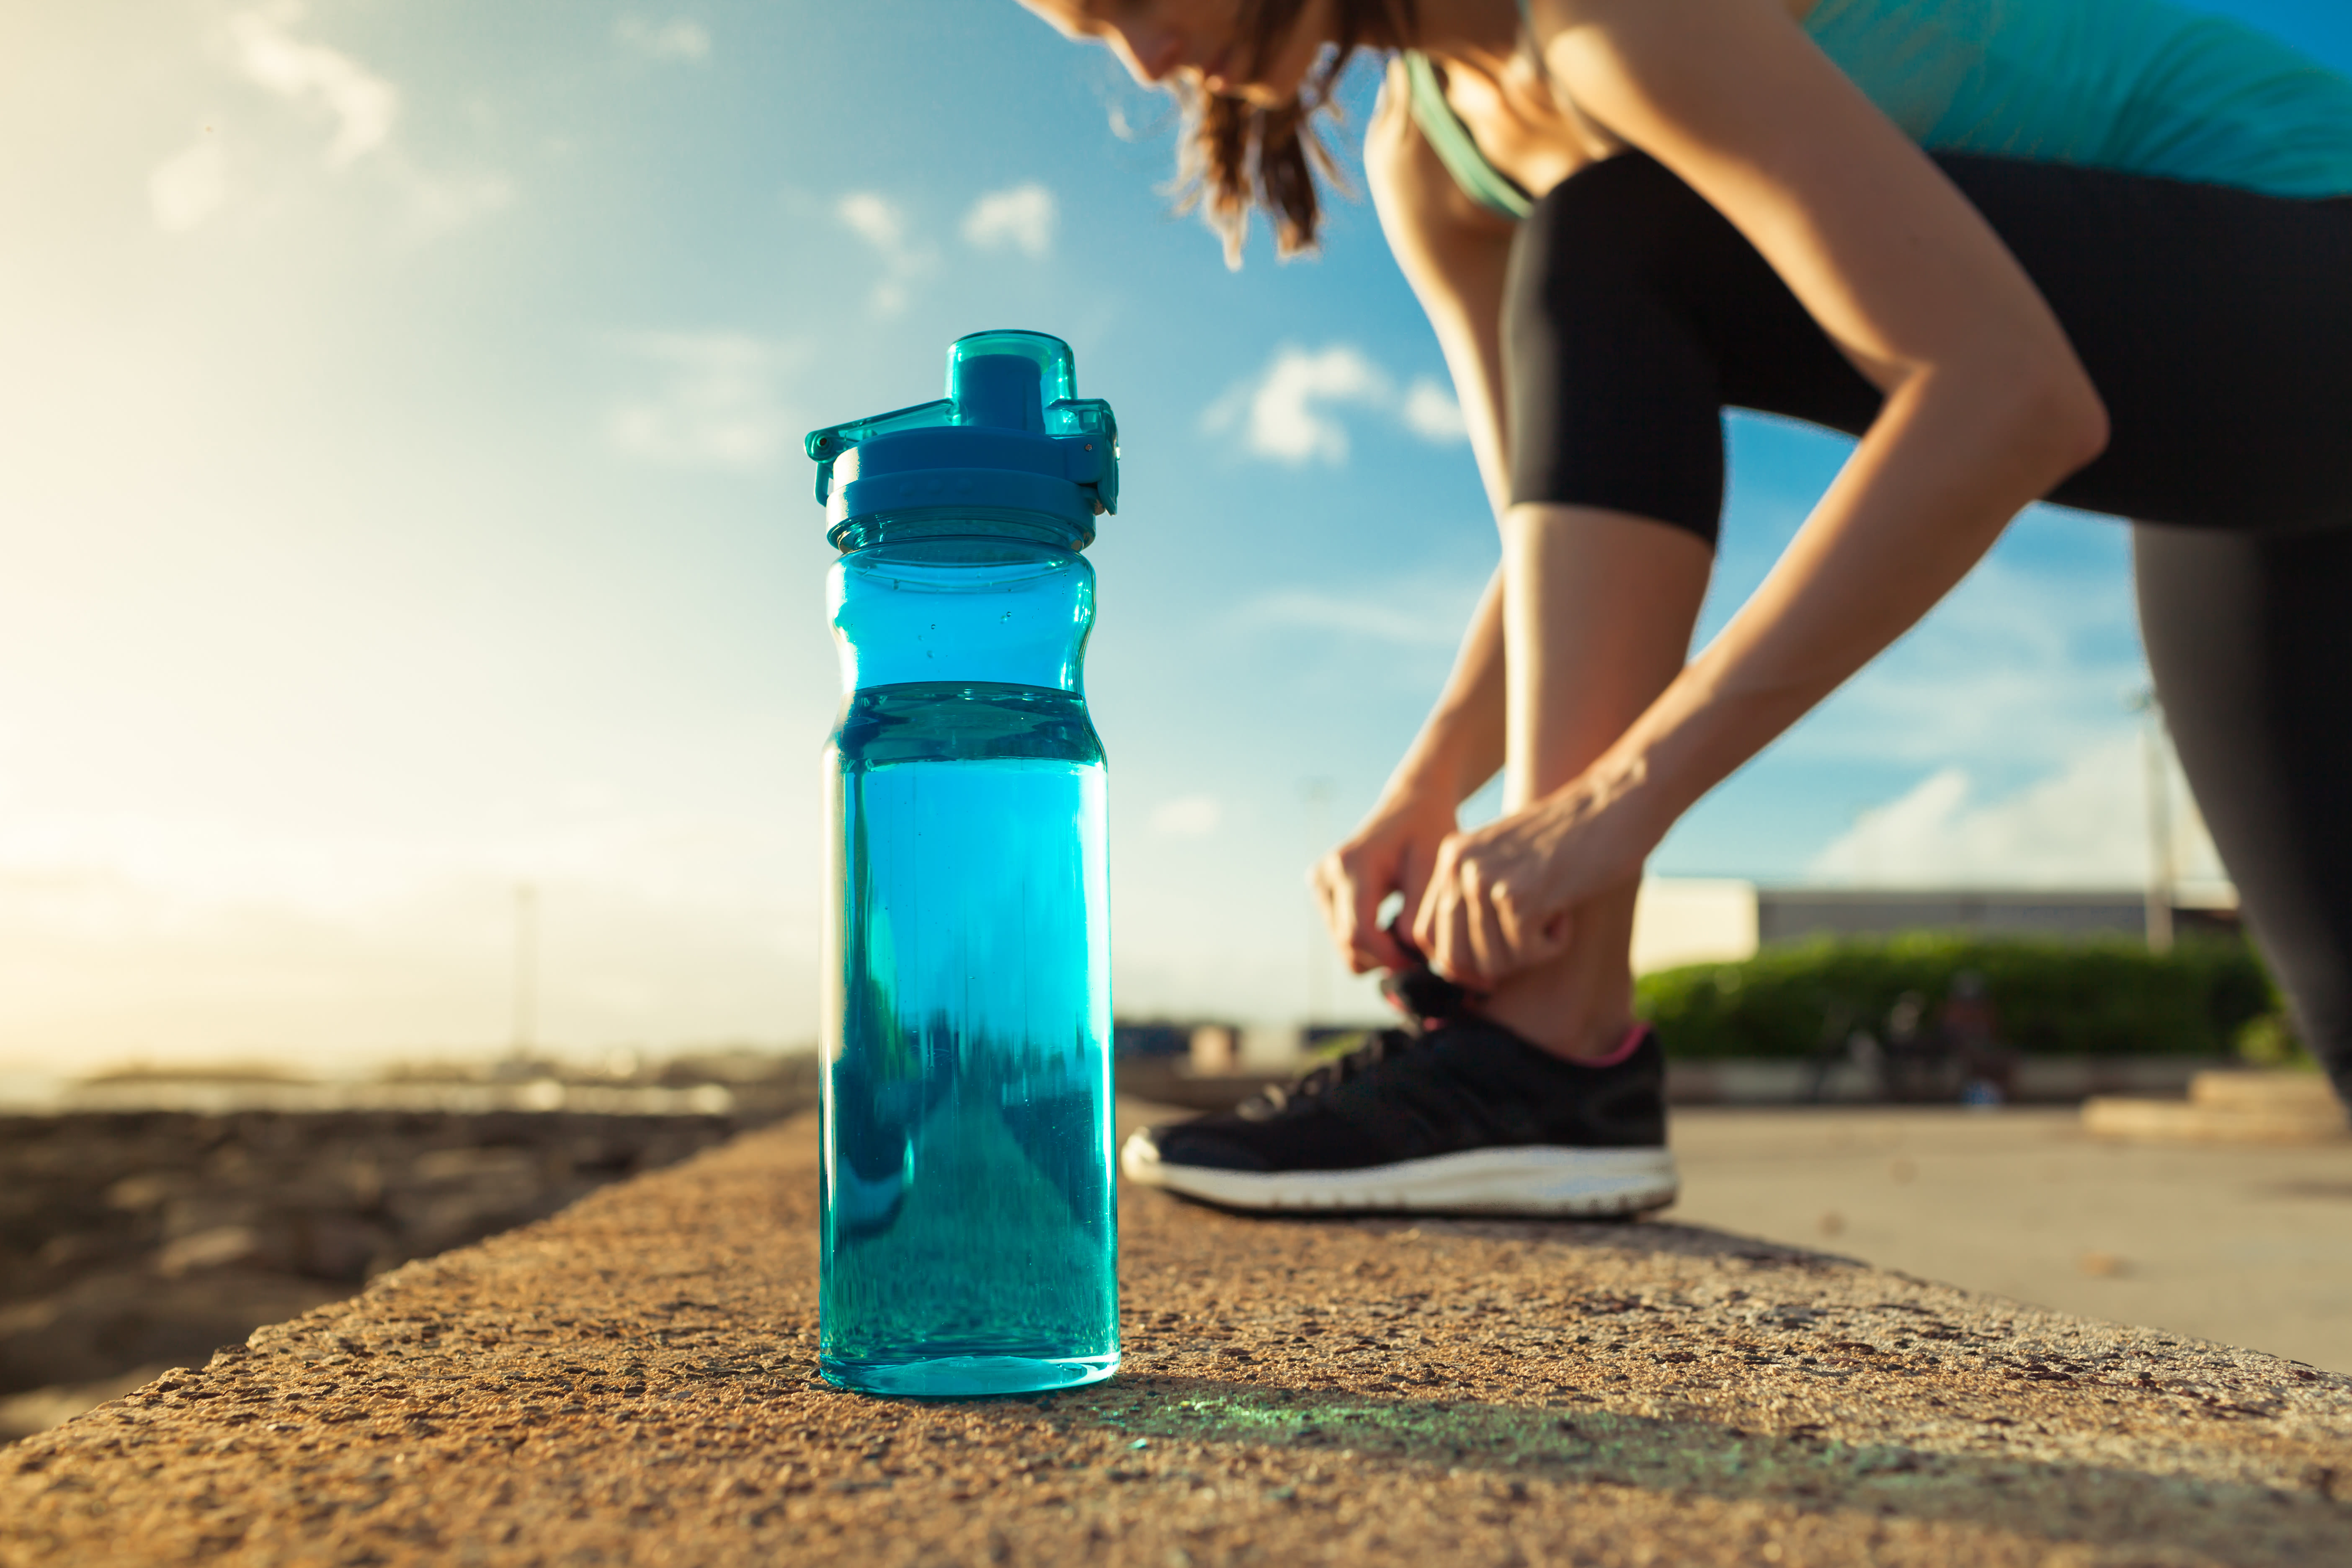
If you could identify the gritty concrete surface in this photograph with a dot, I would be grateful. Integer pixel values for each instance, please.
(2250, 1245)
(631, 1381)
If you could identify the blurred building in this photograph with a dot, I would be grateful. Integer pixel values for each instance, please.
(1704, 920)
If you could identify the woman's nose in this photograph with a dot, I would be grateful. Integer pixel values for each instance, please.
(1153, 50)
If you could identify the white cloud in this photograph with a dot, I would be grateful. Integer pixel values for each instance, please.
(437, 203)
(876, 219)
(188, 187)
(882, 224)
(2085, 826)
(1286, 412)
(1430, 413)
(1190, 816)
(1021, 217)
(1409, 614)
(678, 38)
(1282, 409)
(363, 104)
(718, 405)
(262, 45)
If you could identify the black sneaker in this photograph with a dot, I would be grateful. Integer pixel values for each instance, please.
(1463, 1118)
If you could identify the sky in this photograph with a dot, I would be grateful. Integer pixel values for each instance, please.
(402, 503)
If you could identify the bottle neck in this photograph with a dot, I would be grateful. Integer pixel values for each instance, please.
(932, 523)
(982, 607)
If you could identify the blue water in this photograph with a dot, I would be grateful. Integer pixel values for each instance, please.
(969, 1239)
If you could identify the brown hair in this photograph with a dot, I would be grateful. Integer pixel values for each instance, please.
(1236, 156)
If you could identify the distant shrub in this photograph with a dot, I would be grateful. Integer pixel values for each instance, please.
(2270, 1041)
(2108, 998)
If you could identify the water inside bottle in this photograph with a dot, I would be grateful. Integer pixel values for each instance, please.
(969, 1209)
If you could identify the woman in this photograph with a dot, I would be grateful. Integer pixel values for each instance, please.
(1622, 215)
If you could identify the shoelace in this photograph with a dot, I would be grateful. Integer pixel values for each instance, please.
(1417, 991)
(1385, 1045)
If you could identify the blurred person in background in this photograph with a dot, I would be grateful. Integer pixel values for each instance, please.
(2096, 251)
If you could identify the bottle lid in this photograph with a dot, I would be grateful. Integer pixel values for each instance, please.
(1008, 440)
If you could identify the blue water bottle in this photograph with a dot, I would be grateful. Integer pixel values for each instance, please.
(969, 1241)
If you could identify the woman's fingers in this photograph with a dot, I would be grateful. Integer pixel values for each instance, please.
(1442, 929)
(1437, 918)
(1487, 949)
(1369, 947)
(1323, 882)
(1475, 924)
(1526, 933)
(1500, 899)
(1336, 895)
(1351, 884)
(1376, 947)
(1536, 940)
(1429, 908)
(1474, 902)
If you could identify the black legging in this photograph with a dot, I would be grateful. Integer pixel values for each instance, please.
(2217, 325)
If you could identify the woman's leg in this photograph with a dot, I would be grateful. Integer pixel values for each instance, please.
(1598, 608)
(1613, 404)
(1632, 314)
(2250, 642)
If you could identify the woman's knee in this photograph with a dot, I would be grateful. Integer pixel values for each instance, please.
(1613, 400)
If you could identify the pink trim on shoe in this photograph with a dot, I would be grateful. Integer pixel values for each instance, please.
(1625, 1047)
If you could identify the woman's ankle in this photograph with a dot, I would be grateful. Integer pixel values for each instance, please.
(1571, 1033)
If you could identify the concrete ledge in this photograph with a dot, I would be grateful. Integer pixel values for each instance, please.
(630, 1382)
(2227, 1108)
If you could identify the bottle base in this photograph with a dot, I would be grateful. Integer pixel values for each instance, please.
(966, 1376)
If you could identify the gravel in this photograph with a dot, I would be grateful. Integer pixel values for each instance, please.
(631, 1381)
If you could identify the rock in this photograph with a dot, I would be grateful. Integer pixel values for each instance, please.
(213, 1248)
(105, 1323)
(38, 1409)
(128, 1238)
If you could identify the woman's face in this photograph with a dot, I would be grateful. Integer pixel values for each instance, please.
(1160, 40)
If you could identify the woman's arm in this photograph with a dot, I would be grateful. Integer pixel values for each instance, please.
(1986, 409)
(1453, 253)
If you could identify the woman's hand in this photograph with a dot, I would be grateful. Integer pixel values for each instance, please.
(1392, 852)
(1500, 899)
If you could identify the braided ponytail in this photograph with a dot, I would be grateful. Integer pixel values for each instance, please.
(1236, 156)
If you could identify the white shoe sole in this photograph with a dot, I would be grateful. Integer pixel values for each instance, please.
(1525, 1181)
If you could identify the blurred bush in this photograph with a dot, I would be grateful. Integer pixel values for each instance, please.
(2058, 997)
(2271, 1042)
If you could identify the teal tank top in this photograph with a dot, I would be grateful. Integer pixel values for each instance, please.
(2142, 87)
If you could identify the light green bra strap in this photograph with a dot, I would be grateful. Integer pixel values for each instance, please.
(1451, 141)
